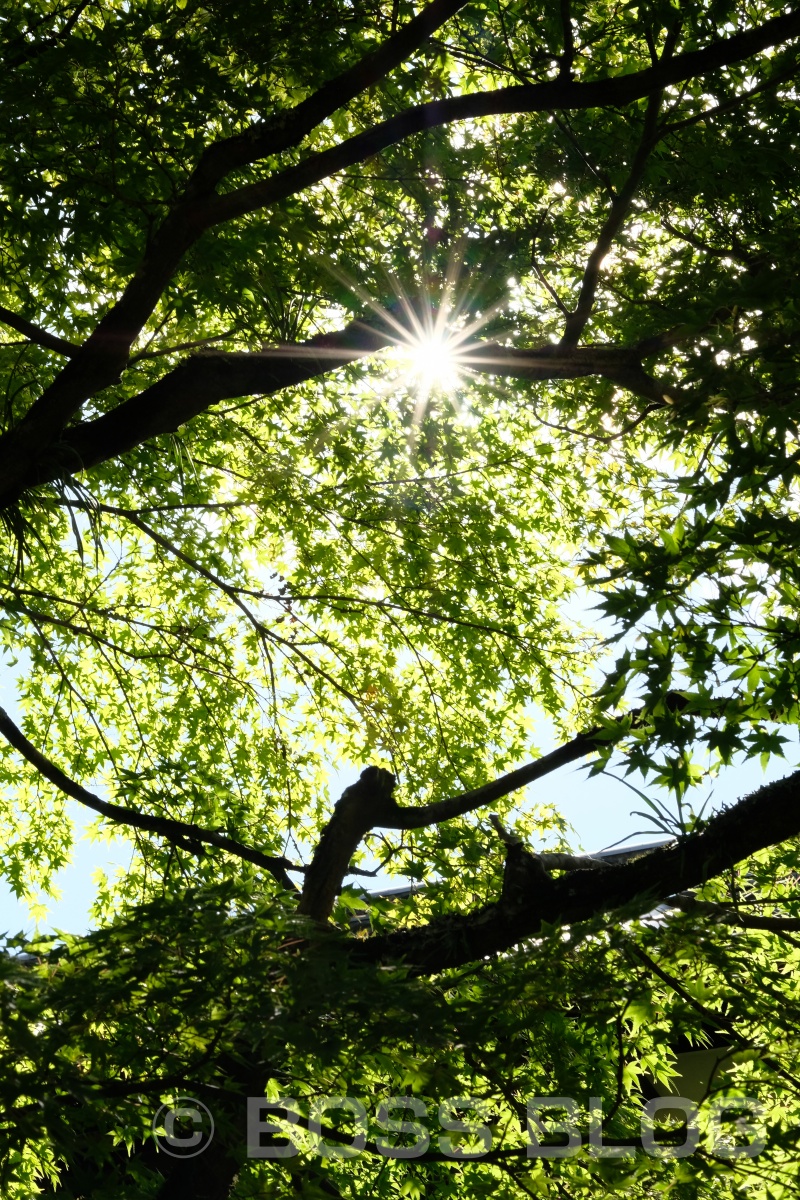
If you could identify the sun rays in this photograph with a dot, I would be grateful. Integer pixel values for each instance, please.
(430, 363)
(433, 328)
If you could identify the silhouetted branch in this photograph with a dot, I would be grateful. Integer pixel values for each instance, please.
(203, 380)
(34, 334)
(104, 354)
(766, 818)
(183, 834)
(620, 207)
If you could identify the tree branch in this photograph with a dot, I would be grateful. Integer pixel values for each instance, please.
(361, 807)
(203, 380)
(104, 354)
(619, 364)
(568, 56)
(234, 595)
(726, 915)
(620, 207)
(766, 818)
(726, 106)
(287, 129)
(584, 743)
(189, 837)
(33, 50)
(552, 95)
(408, 817)
(33, 333)
(370, 804)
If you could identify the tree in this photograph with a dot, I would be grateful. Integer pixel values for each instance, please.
(349, 347)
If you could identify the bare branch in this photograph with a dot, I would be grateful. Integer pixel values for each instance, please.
(408, 817)
(183, 834)
(361, 807)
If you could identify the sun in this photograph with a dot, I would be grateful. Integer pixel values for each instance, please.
(433, 363)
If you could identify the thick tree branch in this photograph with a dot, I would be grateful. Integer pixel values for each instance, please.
(203, 380)
(620, 364)
(285, 130)
(370, 804)
(408, 817)
(554, 95)
(103, 356)
(189, 837)
(395, 816)
(361, 807)
(33, 333)
(766, 818)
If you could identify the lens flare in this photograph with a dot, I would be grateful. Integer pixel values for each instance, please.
(433, 363)
(431, 329)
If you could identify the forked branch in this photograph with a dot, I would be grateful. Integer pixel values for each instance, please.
(620, 207)
(205, 379)
(766, 818)
(362, 806)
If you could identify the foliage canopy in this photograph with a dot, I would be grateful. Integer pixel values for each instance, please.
(351, 353)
